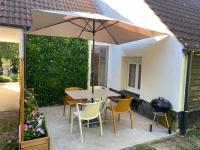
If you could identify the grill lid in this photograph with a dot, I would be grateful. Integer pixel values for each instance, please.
(161, 105)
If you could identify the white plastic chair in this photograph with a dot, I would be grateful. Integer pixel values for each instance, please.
(91, 111)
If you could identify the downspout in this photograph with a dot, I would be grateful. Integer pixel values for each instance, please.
(184, 127)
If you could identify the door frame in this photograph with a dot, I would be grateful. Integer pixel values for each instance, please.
(90, 57)
(132, 89)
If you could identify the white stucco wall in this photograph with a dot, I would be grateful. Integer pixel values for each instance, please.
(163, 63)
(9, 34)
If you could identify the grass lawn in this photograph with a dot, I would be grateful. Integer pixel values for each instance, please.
(10, 145)
(189, 142)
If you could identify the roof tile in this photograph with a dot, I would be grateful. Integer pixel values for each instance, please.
(182, 17)
(18, 12)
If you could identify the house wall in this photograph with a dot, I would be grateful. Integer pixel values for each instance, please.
(161, 69)
(163, 63)
(9, 34)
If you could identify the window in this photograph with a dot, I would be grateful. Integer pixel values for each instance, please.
(100, 65)
(134, 77)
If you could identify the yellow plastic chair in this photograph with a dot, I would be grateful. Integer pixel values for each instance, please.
(70, 101)
(91, 111)
(123, 106)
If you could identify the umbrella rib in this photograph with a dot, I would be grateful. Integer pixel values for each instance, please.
(79, 26)
(88, 24)
(57, 23)
(84, 27)
(104, 27)
(100, 26)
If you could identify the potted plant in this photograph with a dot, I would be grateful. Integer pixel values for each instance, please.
(35, 131)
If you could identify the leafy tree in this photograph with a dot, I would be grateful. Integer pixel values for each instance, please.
(6, 64)
(9, 51)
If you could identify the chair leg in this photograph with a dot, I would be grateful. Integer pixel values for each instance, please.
(114, 127)
(100, 121)
(72, 120)
(131, 119)
(118, 117)
(70, 113)
(81, 108)
(105, 116)
(64, 110)
(81, 132)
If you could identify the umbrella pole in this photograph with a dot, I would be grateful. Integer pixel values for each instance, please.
(93, 46)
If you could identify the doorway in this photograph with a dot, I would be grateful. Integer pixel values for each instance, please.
(101, 53)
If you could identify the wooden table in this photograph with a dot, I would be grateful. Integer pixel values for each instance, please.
(87, 94)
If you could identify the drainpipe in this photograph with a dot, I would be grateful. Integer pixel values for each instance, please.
(184, 127)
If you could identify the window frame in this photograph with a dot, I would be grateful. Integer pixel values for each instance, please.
(136, 88)
(90, 43)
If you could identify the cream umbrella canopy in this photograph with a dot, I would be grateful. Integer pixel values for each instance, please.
(90, 26)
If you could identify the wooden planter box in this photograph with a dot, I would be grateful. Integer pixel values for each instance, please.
(36, 144)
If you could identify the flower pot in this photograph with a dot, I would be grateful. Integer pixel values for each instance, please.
(36, 144)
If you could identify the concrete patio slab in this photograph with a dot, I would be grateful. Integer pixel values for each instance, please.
(61, 138)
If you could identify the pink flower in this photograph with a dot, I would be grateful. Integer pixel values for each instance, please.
(25, 127)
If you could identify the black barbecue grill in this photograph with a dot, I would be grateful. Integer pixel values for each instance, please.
(161, 107)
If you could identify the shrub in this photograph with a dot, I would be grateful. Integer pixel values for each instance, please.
(14, 77)
(52, 64)
(5, 79)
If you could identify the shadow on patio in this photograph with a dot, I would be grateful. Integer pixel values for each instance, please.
(61, 137)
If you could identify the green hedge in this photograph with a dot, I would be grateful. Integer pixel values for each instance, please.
(52, 64)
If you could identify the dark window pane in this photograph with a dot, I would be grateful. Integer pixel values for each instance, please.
(100, 65)
(132, 75)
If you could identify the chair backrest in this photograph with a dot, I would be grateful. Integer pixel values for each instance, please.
(72, 89)
(68, 98)
(91, 110)
(123, 105)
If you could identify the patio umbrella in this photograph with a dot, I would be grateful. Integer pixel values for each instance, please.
(90, 26)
